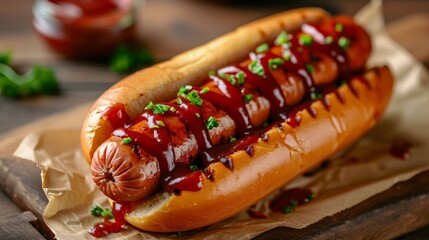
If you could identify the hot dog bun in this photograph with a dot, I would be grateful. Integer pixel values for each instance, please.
(287, 152)
(162, 81)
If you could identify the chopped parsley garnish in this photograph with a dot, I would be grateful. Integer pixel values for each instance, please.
(314, 95)
(160, 123)
(329, 39)
(256, 68)
(274, 63)
(178, 101)
(149, 106)
(172, 109)
(157, 108)
(310, 68)
(154, 126)
(305, 39)
(344, 42)
(204, 90)
(197, 115)
(211, 123)
(212, 73)
(287, 56)
(262, 48)
(193, 167)
(126, 140)
(232, 139)
(248, 97)
(101, 212)
(290, 208)
(310, 197)
(232, 80)
(222, 75)
(240, 77)
(339, 27)
(282, 38)
(184, 90)
(194, 98)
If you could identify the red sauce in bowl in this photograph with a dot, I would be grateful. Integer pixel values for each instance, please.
(84, 29)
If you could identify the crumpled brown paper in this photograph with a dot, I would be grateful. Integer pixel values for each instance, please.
(362, 171)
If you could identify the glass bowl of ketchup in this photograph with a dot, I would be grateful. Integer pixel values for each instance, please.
(85, 28)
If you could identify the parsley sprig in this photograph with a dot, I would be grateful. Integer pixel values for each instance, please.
(38, 80)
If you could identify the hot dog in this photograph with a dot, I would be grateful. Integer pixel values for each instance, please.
(180, 144)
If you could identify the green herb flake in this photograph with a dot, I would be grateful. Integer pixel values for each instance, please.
(293, 203)
(184, 90)
(339, 27)
(211, 123)
(193, 167)
(315, 95)
(248, 97)
(287, 56)
(154, 126)
(160, 123)
(212, 73)
(172, 109)
(275, 63)
(282, 38)
(287, 210)
(204, 90)
(240, 77)
(310, 68)
(222, 75)
(178, 101)
(305, 39)
(262, 48)
(100, 212)
(197, 115)
(256, 68)
(232, 80)
(344, 42)
(232, 139)
(309, 198)
(194, 98)
(126, 140)
(329, 39)
(149, 106)
(160, 109)
(107, 213)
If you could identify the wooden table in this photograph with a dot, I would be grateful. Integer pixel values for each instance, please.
(166, 27)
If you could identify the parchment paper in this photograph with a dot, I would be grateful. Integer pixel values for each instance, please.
(360, 172)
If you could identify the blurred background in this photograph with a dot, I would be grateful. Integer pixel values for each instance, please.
(154, 30)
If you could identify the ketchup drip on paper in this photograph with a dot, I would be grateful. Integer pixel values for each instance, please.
(106, 227)
(401, 149)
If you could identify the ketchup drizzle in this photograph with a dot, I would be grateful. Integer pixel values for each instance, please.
(178, 176)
